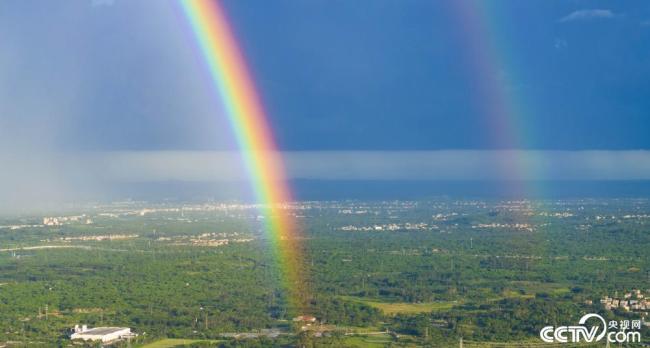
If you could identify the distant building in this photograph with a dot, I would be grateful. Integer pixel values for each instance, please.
(305, 319)
(635, 301)
(103, 334)
(51, 221)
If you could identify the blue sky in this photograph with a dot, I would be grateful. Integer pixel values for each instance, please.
(334, 75)
(393, 75)
(89, 78)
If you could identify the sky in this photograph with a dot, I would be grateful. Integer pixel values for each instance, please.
(385, 81)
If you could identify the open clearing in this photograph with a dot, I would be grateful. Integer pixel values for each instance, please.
(174, 342)
(391, 308)
(368, 341)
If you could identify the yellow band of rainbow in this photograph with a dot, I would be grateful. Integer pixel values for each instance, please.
(229, 73)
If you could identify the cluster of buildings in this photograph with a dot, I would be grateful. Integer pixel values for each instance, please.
(443, 217)
(209, 242)
(636, 216)
(517, 226)
(60, 220)
(599, 217)
(352, 211)
(561, 215)
(392, 227)
(631, 301)
(51, 221)
(18, 227)
(206, 239)
(101, 237)
(218, 242)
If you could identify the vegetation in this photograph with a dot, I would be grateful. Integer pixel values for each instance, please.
(176, 342)
(484, 271)
(391, 308)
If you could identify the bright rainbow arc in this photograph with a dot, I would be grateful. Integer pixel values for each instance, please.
(229, 74)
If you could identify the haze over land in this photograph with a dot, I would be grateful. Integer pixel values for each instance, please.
(392, 95)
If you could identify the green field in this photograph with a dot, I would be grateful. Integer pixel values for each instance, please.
(175, 342)
(532, 287)
(368, 341)
(392, 308)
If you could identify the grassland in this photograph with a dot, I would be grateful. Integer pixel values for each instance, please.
(525, 290)
(392, 308)
(368, 341)
(174, 342)
(534, 287)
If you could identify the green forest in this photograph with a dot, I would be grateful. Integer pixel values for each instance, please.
(481, 271)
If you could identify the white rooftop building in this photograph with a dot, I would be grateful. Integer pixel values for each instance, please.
(103, 334)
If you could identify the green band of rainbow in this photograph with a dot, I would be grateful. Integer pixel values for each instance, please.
(229, 74)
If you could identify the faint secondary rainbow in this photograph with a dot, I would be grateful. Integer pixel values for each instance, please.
(495, 77)
(494, 73)
(229, 74)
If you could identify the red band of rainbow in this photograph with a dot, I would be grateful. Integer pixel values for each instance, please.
(229, 74)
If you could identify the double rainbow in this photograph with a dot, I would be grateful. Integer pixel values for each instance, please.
(229, 74)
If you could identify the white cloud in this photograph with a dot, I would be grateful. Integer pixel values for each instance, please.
(587, 14)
